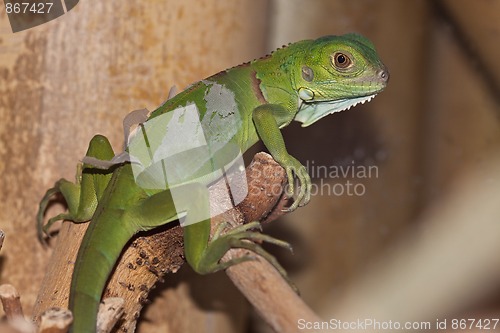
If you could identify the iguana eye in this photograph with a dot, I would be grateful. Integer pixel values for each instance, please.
(341, 60)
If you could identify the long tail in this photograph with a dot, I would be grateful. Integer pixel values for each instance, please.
(102, 244)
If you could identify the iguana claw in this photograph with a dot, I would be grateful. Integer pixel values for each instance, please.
(295, 169)
(240, 237)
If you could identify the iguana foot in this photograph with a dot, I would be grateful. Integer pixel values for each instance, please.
(82, 196)
(294, 168)
(43, 230)
(239, 237)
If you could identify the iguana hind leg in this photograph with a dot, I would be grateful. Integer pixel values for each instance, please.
(83, 195)
(202, 252)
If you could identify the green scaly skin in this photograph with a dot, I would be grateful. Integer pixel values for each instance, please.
(295, 82)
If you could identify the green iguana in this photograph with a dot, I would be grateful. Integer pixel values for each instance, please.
(192, 140)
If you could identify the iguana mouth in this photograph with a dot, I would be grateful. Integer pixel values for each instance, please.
(310, 112)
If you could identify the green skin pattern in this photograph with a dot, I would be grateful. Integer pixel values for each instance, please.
(269, 93)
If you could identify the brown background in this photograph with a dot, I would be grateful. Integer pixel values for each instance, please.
(64, 81)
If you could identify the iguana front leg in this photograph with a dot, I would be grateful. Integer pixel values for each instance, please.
(265, 120)
(83, 195)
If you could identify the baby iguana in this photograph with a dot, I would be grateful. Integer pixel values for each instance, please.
(193, 139)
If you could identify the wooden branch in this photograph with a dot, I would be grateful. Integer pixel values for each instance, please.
(11, 302)
(274, 299)
(2, 237)
(110, 311)
(55, 320)
(154, 254)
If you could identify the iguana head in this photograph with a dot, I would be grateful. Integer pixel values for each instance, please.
(337, 72)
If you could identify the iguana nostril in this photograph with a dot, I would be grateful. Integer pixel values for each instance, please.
(384, 74)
